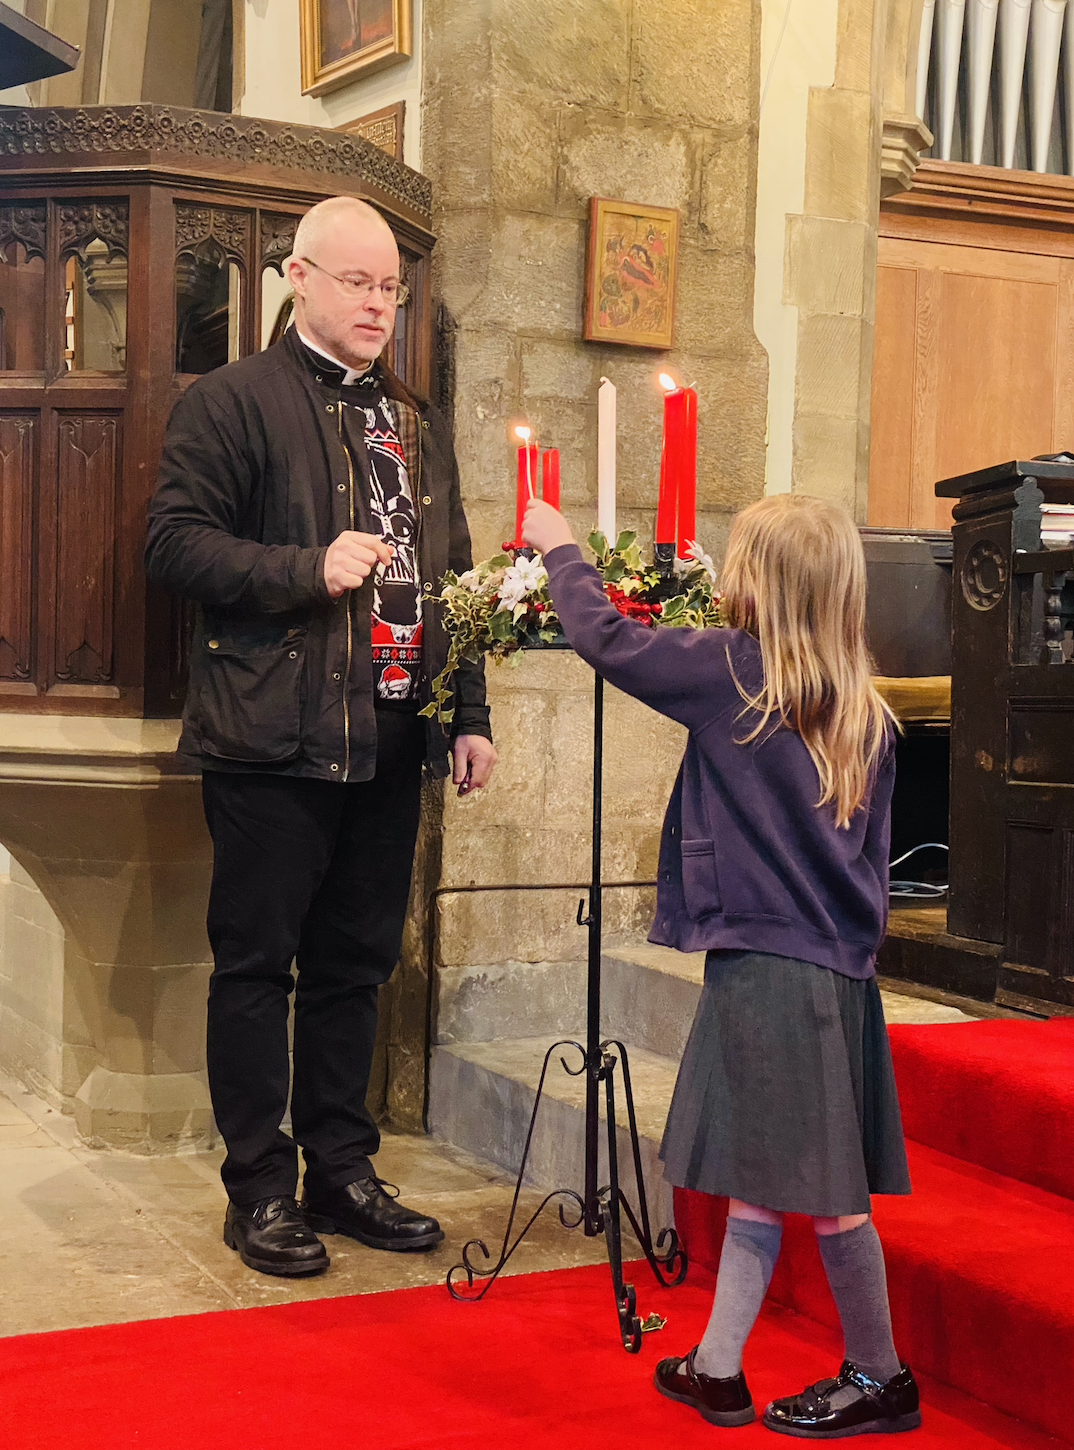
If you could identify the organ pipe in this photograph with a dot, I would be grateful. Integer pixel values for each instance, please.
(981, 17)
(951, 16)
(1013, 34)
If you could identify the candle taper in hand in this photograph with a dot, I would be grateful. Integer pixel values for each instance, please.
(544, 527)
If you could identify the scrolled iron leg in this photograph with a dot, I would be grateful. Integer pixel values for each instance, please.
(625, 1297)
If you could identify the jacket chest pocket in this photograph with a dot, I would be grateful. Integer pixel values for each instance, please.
(250, 702)
(700, 884)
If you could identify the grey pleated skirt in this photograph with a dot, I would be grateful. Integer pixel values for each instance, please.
(786, 1095)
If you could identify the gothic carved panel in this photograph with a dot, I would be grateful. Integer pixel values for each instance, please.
(25, 224)
(81, 223)
(277, 239)
(210, 230)
(16, 539)
(120, 130)
(87, 476)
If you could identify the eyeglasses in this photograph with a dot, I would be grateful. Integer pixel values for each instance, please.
(394, 293)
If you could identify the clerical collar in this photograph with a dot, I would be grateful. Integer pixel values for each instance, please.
(350, 375)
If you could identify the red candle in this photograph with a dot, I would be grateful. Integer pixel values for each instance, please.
(667, 506)
(550, 476)
(688, 480)
(527, 484)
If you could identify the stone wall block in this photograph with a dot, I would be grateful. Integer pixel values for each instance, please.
(580, 53)
(568, 764)
(842, 137)
(830, 371)
(727, 193)
(826, 456)
(714, 315)
(695, 61)
(535, 277)
(491, 522)
(505, 855)
(466, 235)
(180, 995)
(502, 926)
(642, 751)
(523, 161)
(825, 265)
(522, 719)
(560, 371)
(730, 436)
(556, 672)
(619, 156)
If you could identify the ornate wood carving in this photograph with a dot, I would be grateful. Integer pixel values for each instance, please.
(197, 228)
(85, 222)
(25, 224)
(16, 536)
(1060, 960)
(119, 130)
(277, 239)
(88, 466)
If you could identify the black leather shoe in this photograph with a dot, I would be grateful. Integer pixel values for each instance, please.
(720, 1402)
(364, 1211)
(272, 1236)
(871, 1408)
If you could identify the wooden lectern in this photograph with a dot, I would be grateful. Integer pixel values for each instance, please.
(1012, 727)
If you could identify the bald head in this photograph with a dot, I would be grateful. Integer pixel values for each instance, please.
(344, 238)
(339, 214)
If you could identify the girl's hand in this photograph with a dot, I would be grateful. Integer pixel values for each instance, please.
(544, 527)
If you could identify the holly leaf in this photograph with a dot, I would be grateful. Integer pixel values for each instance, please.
(501, 626)
(624, 541)
(598, 543)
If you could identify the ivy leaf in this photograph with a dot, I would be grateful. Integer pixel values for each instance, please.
(500, 561)
(501, 626)
(428, 712)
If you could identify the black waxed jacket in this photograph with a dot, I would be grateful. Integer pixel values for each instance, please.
(257, 477)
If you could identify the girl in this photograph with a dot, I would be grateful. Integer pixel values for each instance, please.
(774, 860)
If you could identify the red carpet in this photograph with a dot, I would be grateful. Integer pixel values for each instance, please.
(981, 1257)
(536, 1365)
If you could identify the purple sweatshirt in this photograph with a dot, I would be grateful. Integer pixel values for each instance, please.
(748, 860)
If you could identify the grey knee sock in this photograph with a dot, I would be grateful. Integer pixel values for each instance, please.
(750, 1251)
(854, 1263)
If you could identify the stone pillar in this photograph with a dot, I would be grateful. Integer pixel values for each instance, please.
(531, 109)
(94, 814)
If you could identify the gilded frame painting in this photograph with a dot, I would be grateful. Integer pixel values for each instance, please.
(344, 40)
(631, 271)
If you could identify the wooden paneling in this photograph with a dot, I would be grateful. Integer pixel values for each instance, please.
(974, 354)
(87, 474)
(16, 548)
(971, 366)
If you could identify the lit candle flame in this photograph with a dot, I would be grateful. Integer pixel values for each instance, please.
(523, 433)
(668, 383)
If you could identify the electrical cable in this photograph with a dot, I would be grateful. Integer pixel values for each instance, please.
(918, 890)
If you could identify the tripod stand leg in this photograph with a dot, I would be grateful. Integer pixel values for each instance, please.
(625, 1297)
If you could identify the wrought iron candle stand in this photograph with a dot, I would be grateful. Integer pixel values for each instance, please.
(598, 1208)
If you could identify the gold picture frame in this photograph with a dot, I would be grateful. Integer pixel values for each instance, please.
(343, 40)
(632, 264)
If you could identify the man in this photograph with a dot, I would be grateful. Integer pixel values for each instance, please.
(309, 504)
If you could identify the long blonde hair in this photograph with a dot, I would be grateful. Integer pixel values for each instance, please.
(794, 577)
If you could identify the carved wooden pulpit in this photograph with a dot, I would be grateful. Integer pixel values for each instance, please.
(1012, 727)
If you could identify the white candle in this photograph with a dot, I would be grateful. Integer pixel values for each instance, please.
(606, 461)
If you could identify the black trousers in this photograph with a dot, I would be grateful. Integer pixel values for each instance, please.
(318, 874)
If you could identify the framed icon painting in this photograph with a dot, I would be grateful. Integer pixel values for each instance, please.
(631, 268)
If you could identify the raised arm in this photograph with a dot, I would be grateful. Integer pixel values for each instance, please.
(205, 499)
(682, 673)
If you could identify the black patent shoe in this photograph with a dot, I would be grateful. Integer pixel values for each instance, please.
(719, 1401)
(273, 1237)
(364, 1211)
(875, 1408)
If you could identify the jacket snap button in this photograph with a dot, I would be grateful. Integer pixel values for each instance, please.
(333, 767)
(428, 588)
(214, 644)
(293, 655)
(341, 488)
(426, 499)
(424, 424)
(329, 408)
(337, 676)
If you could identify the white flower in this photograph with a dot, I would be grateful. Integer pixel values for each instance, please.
(697, 553)
(471, 580)
(525, 576)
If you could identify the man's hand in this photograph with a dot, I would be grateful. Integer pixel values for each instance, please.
(475, 758)
(545, 527)
(351, 558)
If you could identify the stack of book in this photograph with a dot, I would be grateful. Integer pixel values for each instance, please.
(1056, 525)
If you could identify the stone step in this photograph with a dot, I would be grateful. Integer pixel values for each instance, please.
(648, 999)
(481, 1097)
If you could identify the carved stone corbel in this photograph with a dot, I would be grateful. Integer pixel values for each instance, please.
(905, 138)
